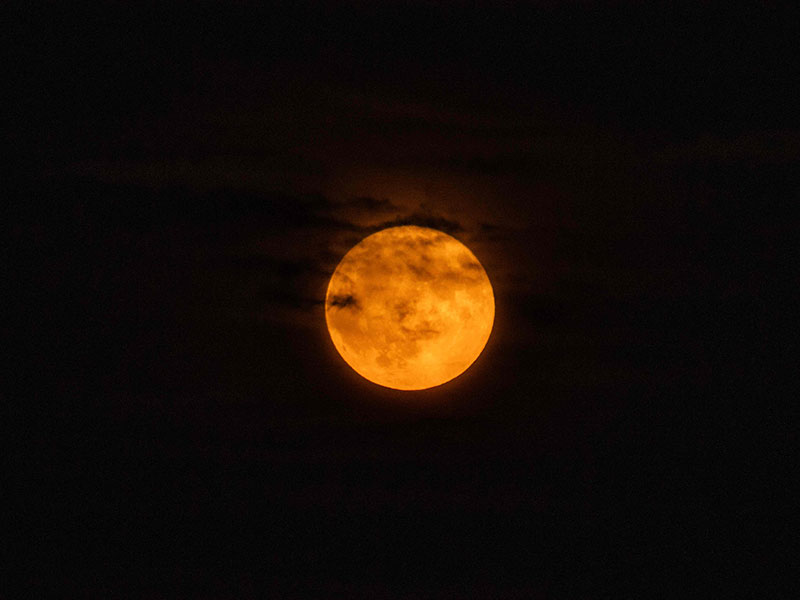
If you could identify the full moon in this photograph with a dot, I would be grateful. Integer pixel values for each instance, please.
(409, 308)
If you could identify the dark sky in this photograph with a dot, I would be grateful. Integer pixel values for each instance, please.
(184, 180)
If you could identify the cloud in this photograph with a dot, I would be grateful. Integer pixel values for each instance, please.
(345, 301)
(423, 220)
(242, 254)
(490, 231)
(368, 204)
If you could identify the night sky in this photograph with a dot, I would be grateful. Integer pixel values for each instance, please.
(184, 180)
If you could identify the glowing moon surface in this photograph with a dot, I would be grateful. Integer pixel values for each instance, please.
(409, 308)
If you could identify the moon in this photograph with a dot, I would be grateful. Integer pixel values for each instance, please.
(409, 308)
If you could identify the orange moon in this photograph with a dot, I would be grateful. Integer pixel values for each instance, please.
(409, 308)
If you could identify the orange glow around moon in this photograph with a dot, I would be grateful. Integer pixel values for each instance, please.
(409, 308)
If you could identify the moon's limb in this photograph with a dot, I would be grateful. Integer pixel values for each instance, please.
(409, 308)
